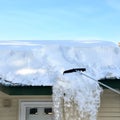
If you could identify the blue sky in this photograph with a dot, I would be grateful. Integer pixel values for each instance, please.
(60, 20)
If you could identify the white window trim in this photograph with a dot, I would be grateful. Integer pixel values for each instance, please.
(23, 105)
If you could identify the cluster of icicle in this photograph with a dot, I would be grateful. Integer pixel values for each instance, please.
(76, 98)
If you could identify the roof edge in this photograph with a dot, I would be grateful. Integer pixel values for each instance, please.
(47, 90)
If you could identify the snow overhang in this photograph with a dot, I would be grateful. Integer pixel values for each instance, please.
(47, 90)
(32, 67)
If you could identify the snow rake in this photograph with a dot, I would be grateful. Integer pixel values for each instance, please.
(81, 70)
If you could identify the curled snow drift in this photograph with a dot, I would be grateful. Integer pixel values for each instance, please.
(39, 62)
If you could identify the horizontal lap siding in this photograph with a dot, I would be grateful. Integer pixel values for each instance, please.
(110, 106)
(8, 113)
(109, 110)
(12, 113)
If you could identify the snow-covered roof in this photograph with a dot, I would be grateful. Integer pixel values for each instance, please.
(42, 62)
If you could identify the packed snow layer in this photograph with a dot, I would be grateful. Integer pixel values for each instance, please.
(41, 62)
(75, 97)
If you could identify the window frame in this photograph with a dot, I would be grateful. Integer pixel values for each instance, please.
(24, 104)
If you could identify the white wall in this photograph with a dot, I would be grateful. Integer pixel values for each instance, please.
(109, 110)
(110, 106)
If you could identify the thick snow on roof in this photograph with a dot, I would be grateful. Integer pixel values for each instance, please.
(41, 62)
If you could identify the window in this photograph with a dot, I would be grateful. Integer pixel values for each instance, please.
(35, 111)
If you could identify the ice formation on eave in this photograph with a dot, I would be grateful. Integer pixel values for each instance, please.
(41, 62)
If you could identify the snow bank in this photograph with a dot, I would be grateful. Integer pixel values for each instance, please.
(39, 62)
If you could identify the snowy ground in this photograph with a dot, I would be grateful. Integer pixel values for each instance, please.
(40, 62)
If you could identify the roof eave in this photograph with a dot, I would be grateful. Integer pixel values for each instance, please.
(47, 90)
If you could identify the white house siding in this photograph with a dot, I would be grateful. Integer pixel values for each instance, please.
(109, 110)
(110, 106)
(12, 112)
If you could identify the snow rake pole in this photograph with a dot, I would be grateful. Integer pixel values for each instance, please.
(112, 89)
(81, 70)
